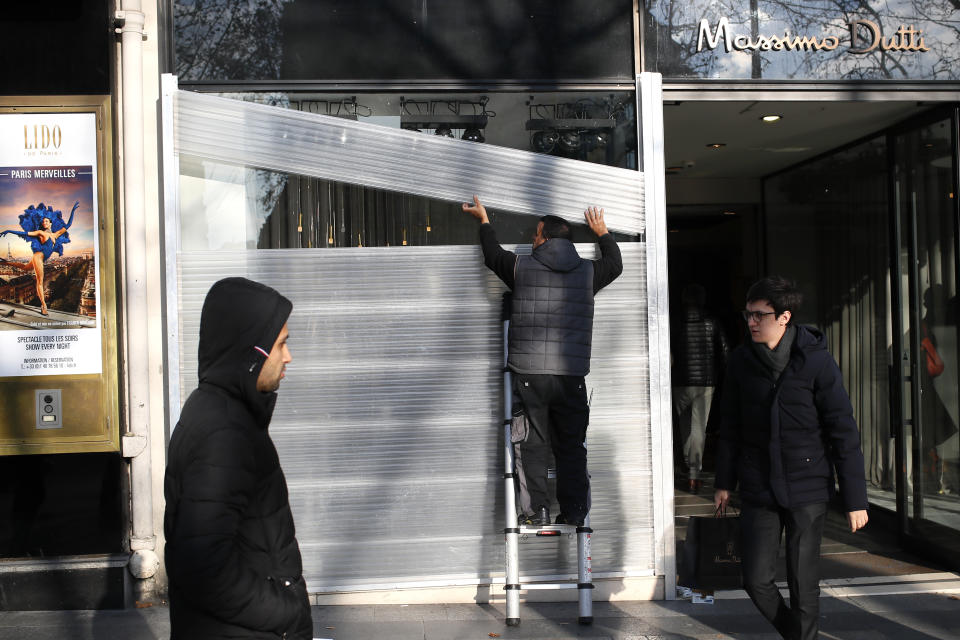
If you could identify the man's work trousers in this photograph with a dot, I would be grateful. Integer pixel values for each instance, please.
(558, 414)
(760, 530)
(692, 406)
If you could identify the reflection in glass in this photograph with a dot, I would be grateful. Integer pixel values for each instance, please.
(925, 176)
(827, 226)
(228, 207)
(803, 39)
(378, 40)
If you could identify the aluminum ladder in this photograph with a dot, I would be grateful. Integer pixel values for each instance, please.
(555, 532)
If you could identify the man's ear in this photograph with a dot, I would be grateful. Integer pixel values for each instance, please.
(786, 315)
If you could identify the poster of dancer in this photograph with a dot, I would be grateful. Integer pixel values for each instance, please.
(49, 258)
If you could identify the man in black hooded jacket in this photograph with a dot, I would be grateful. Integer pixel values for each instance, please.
(548, 350)
(231, 554)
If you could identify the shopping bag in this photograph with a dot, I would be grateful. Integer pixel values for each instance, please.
(711, 552)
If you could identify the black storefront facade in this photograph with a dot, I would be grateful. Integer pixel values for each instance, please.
(816, 141)
(864, 216)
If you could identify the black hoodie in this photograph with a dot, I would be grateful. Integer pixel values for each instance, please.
(231, 554)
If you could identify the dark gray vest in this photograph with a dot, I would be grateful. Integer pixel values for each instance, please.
(551, 322)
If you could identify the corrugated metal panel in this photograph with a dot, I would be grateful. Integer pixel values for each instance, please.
(243, 133)
(388, 423)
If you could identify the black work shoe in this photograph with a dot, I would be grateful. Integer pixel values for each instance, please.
(539, 519)
(562, 519)
(543, 517)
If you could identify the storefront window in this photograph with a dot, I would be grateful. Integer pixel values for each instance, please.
(377, 40)
(925, 177)
(802, 40)
(827, 227)
(58, 505)
(296, 211)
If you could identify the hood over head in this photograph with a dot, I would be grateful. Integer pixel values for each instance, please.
(239, 324)
(558, 254)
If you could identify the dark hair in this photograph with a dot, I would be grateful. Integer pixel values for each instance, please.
(556, 227)
(781, 293)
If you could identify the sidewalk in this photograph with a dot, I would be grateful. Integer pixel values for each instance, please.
(923, 606)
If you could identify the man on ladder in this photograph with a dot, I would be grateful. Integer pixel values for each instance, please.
(550, 333)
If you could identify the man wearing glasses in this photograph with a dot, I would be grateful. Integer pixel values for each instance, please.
(786, 426)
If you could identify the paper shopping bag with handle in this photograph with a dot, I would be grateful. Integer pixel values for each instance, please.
(711, 552)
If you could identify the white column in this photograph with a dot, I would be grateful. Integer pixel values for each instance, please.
(650, 126)
(144, 561)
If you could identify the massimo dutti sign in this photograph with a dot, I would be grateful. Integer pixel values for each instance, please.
(863, 36)
(801, 40)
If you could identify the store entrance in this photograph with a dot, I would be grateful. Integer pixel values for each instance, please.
(807, 190)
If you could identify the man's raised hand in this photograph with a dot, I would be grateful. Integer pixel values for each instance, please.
(594, 216)
(477, 210)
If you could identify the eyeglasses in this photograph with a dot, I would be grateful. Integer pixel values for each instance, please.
(756, 316)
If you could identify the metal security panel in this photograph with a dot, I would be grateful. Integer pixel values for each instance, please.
(388, 423)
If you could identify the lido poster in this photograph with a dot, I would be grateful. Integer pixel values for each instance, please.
(49, 252)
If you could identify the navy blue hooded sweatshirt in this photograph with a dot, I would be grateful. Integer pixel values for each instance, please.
(782, 440)
(231, 553)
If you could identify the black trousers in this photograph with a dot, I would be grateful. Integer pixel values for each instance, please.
(558, 414)
(760, 530)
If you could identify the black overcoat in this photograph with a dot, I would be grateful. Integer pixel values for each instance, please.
(782, 440)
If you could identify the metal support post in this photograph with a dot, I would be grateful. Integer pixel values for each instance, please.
(584, 573)
(511, 529)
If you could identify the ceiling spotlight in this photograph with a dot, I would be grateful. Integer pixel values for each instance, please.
(716, 145)
(444, 131)
(570, 141)
(545, 141)
(674, 168)
(473, 135)
(592, 139)
(771, 118)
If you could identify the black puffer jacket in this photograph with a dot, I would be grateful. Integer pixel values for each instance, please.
(231, 555)
(699, 351)
(551, 326)
(782, 439)
(573, 359)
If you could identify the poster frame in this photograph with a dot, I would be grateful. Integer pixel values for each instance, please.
(91, 401)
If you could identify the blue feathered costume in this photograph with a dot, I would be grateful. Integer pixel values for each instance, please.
(32, 220)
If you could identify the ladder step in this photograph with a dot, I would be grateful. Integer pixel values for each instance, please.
(548, 585)
(550, 530)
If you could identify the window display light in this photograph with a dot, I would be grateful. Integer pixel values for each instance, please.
(446, 116)
(572, 129)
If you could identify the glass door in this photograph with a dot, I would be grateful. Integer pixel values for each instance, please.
(925, 229)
